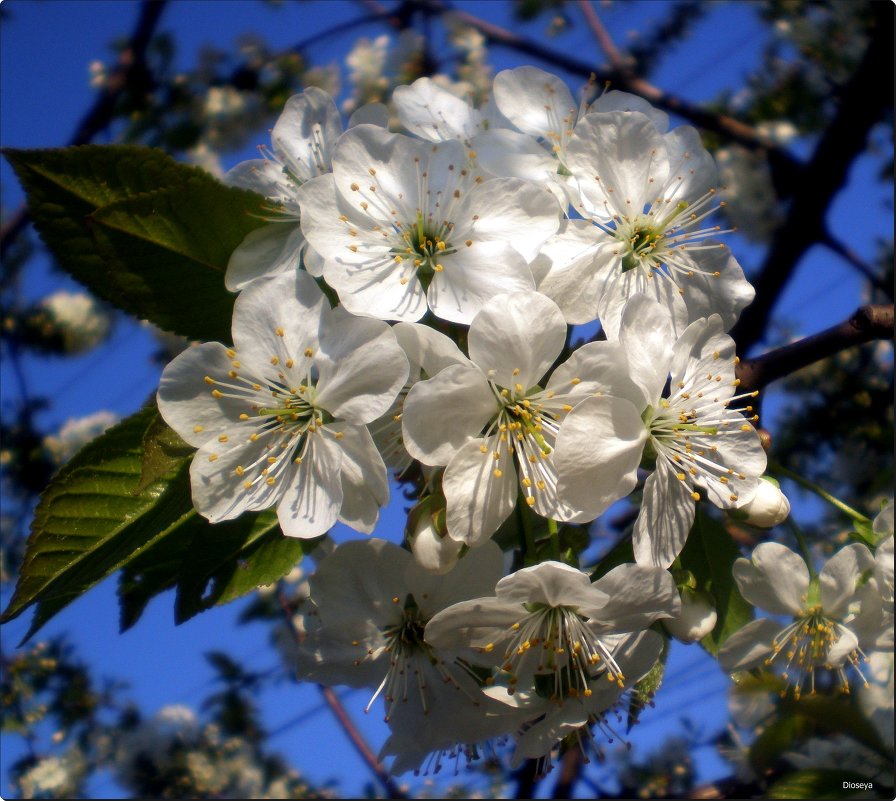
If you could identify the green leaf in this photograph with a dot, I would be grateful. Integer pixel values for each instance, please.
(819, 783)
(163, 451)
(228, 560)
(709, 554)
(140, 230)
(91, 519)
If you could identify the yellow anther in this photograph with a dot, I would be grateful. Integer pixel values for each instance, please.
(212, 457)
(530, 500)
(297, 460)
(239, 470)
(567, 407)
(308, 352)
(275, 361)
(270, 481)
(576, 381)
(497, 473)
(253, 437)
(695, 495)
(355, 187)
(290, 363)
(279, 331)
(216, 393)
(469, 243)
(483, 449)
(198, 429)
(209, 380)
(231, 354)
(746, 427)
(223, 438)
(438, 268)
(247, 485)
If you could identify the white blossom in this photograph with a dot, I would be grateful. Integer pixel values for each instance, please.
(280, 419)
(403, 224)
(698, 446)
(834, 616)
(490, 422)
(79, 319)
(767, 508)
(645, 197)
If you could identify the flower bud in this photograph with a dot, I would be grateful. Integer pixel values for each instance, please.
(433, 549)
(697, 619)
(768, 507)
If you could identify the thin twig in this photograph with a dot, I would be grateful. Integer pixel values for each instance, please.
(868, 323)
(342, 717)
(602, 35)
(856, 262)
(131, 63)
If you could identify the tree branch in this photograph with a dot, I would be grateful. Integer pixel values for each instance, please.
(131, 65)
(866, 325)
(602, 35)
(864, 100)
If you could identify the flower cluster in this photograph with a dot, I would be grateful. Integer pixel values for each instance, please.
(458, 254)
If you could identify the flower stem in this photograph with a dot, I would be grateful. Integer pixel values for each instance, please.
(776, 467)
(555, 539)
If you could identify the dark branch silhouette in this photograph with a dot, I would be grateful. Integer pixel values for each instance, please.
(866, 325)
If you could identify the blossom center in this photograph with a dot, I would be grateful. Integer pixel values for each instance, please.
(555, 644)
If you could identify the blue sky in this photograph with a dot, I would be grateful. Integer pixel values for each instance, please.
(44, 57)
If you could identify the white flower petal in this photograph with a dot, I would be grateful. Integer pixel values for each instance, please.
(365, 486)
(748, 647)
(267, 178)
(277, 317)
(433, 113)
(427, 350)
(598, 451)
(648, 338)
(614, 100)
(267, 251)
(839, 577)
(666, 516)
(508, 210)
(617, 287)
(535, 101)
(692, 171)
(846, 644)
(620, 162)
(637, 595)
(726, 294)
(306, 131)
(774, 579)
(473, 276)
(471, 624)
(311, 503)
(361, 366)
(185, 399)
(479, 494)
(516, 338)
(552, 584)
(375, 289)
(572, 266)
(443, 413)
(593, 369)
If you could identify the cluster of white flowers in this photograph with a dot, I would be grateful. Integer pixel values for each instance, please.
(460, 253)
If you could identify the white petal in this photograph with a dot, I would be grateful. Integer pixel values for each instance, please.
(598, 451)
(839, 577)
(310, 506)
(365, 486)
(279, 317)
(666, 516)
(473, 276)
(648, 338)
(596, 368)
(614, 100)
(516, 338)
(617, 287)
(692, 171)
(774, 579)
(219, 492)
(636, 596)
(185, 399)
(726, 295)
(694, 356)
(620, 162)
(474, 576)
(433, 113)
(472, 623)
(748, 647)
(480, 495)
(267, 178)
(323, 224)
(375, 289)
(358, 581)
(306, 131)
(443, 413)
(572, 265)
(265, 252)
(535, 101)
(549, 583)
(427, 350)
(361, 365)
(509, 210)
